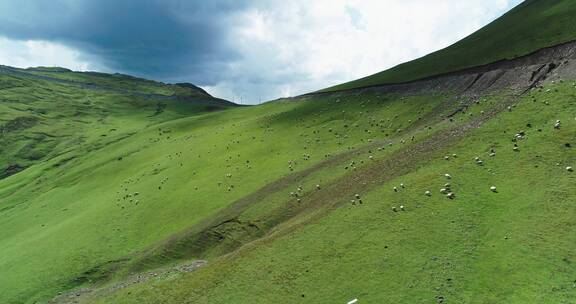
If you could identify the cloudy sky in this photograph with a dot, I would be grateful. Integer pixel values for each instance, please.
(247, 51)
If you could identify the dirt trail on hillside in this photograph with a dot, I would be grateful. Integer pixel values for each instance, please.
(82, 294)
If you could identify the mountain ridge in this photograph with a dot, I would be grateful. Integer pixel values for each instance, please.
(530, 26)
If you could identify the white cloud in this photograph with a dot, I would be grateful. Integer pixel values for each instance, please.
(31, 53)
(293, 47)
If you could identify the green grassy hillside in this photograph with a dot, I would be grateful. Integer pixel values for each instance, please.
(48, 129)
(514, 245)
(532, 25)
(75, 205)
(113, 189)
(187, 183)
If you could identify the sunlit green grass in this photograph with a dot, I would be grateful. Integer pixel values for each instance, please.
(66, 214)
(513, 246)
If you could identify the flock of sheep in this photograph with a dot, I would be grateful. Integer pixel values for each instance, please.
(447, 189)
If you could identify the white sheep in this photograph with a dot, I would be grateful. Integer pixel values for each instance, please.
(450, 195)
(355, 301)
(395, 189)
(448, 176)
(443, 191)
(493, 188)
(428, 193)
(569, 169)
(402, 208)
(318, 187)
(557, 124)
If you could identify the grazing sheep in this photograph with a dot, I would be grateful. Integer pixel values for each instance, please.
(395, 189)
(402, 208)
(357, 196)
(451, 195)
(557, 125)
(443, 191)
(402, 185)
(569, 169)
(394, 209)
(448, 176)
(428, 193)
(355, 301)
(493, 189)
(318, 187)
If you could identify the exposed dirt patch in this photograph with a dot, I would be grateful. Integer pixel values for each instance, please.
(82, 294)
(514, 73)
(11, 170)
(18, 124)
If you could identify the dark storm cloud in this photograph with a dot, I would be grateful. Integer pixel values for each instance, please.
(154, 38)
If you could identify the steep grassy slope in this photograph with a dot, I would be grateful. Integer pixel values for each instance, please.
(185, 183)
(515, 245)
(52, 137)
(113, 186)
(532, 25)
(86, 208)
(42, 117)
